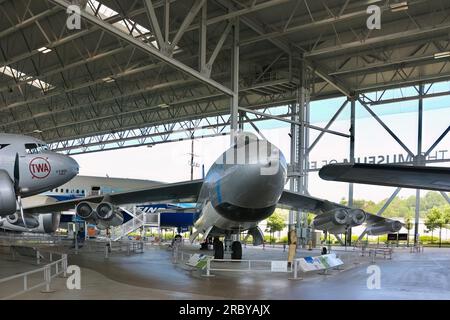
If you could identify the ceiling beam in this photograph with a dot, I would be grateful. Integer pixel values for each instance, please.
(148, 49)
(381, 41)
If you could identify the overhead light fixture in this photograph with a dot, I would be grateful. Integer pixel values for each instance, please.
(401, 6)
(37, 131)
(44, 50)
(163, 105)
(441, 55)
(108, 79)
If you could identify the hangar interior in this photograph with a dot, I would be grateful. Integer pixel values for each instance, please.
(136, 73)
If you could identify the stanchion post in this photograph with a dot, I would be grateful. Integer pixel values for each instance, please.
(65, 264)
(295, 269)
(47, 279)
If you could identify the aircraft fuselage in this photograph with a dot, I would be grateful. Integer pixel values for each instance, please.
(242, 187)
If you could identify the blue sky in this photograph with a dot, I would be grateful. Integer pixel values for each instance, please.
(323, 110)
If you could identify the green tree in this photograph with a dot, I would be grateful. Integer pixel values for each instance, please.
(437, 217)
(275, 223)
(310, 218)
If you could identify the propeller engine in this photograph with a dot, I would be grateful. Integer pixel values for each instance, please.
(17, 190)
(43, 223)
(8, 203)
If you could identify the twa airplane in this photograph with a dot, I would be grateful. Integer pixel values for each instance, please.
(28, 168)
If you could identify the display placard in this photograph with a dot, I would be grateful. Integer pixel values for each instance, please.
(279, 266)
(319, 263)
(392, 237)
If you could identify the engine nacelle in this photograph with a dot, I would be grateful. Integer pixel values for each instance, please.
(8, 204)
(85, 210)
(49, 222)
(338, 218)
(357, 217)
(116, 220)
(109, 214)
(104, 215)
(384, 227)
(105, 211)
(16, 220)
(43, 223)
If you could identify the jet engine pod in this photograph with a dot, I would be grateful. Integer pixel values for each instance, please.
(332, 219)
(49, 222)
(105, 211)
(358, 217)
(384, 227)
(115, 220)
(16, 220)
(8, 204)
(12, 218)
(84, 210)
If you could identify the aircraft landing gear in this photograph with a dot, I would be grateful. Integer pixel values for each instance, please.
(218, 249)
(236, 250)
(233, 246)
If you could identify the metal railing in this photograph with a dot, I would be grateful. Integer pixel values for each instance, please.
(231, 265)
(110, 247)
(416, 248)
(12, 238)
(45, 273)
(386, 252)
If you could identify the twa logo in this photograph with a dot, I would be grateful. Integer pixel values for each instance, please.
(40, 168)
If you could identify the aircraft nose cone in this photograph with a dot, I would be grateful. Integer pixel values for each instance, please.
(73, 166)
(254, 185)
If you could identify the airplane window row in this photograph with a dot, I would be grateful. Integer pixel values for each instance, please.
(78, 191)
(33, 148)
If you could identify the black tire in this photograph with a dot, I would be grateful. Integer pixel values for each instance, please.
(236, 250)
(218, 250)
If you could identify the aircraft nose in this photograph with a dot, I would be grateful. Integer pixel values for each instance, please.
(73, 167)
(254, 185)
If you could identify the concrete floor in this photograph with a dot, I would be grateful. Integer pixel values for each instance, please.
(152, 275)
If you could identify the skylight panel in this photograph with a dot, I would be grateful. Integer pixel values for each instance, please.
(124, 25)
(20, 76)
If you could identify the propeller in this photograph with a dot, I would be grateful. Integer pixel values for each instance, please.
(17, 188)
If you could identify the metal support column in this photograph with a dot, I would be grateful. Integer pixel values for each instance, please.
(352, 160)
(234, 100)
(241, 120)
(419, 161)
(293, 160)
(202, 39)
(300, 142)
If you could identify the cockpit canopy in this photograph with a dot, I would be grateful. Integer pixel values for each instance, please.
(35, 148)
